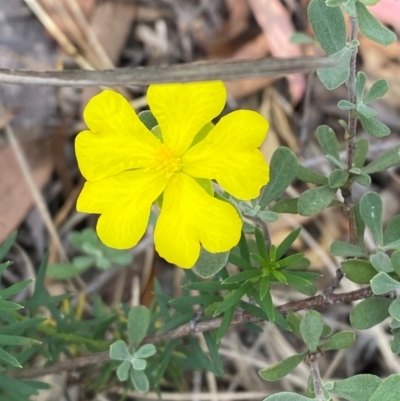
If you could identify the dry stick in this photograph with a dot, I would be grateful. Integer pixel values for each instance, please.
(143, 76)
(186, 329)
(312, 360)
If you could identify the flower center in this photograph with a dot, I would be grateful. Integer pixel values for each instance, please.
(167, 162)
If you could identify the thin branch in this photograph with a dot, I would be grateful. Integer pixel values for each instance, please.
(316, 376)
(188, 328)
(351, 135)
(203, 71)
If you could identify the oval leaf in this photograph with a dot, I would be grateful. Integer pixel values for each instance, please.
(388, 390)
(281, 369)
(311, 327)
(210, 264)
(357, 388)
(370, 312)
(371, 213)
(138, 323)
(358, 271)
(314, 200)
(382, 283)
(341, 340)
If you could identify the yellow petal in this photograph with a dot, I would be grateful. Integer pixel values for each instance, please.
(182, 110)
(117, 139)
(229, 155)
(190, 217)
(124, 201)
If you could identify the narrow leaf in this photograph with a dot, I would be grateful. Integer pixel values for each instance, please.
(307, 175)
(378, 89)
(341, 340)
(281, 369)
(346, 250)
(371, 213)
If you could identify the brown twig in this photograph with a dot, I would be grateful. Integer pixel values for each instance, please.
(312, 360)
(188, 328)
(193, 72)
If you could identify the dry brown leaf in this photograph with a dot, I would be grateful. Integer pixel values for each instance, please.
(15, 197)
(276, 23)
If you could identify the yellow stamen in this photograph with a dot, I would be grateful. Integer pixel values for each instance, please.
(167, 162)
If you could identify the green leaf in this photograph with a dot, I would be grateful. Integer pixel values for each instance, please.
(361, 152)
(145, 351)
(301, 38)
(8, 358)
(148, 119)
(395, 258)
(346, 105)
(371, 213)
(314, 200)
(311, 327)
(392, 232)
(394, 309)
(337, 178)
(232, 298)
(18, 387)
(327, 141)
(381, 262)
(8, 305)
(285, 245)
(395, 346)
(370, 312)
(119, 351)
(360, 86)
(268, 216)
(333, 77)
(357, 388)
(307, 175)
(16, 340)
(243, 276)
(139, 380)
(341, 340)
(264, 286)
(209, 263)
(261, 246)
(281, 369)
(328, 26)
(225, 323)
(386, 160)
(360, 225)
(372, 28)
(382, 283)
(286, 397)
(358, 271)
(286, 206)
(14, 289)
(336, 162)
(123, 371)
(138, 364)
(346, 250)
(378, 89)
(7, 245)
(283, 169)
(388, 390)
(65, 271)
(363, 179)
(138, 323)
(373, 126)
(184, 304)
(365, 111)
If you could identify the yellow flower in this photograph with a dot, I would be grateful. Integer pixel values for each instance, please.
(127, 168)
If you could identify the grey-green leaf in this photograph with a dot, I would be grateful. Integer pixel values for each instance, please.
(358, 271)
(281, 369)
(333, 77)
(138, 323)
(382, 283)
(370, 312)
(138, 364)
(388, 390)
(139, 380)
(346, 250)
(395, 258)
(357, 388)
(365, 111)
(363, 179)
(394, 309)
(119, 351)
(337, 178)
(209, 264)
(361, 152)
(341, 340)
(283, 170)
(346, 105)
(371, 213)
(123, 371)
(328, 26)
(286, 397)
(392, 232)
(381, 262)
(360, 86)
(328, 141)
(145, 351)
(387, 159)
(8, 358)
(311, 327)
(374, 127)
(307, 175)
(314, 200)
(372, 28)
(378, 89)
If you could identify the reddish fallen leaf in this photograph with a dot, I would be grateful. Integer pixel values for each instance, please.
(15, 197)
(276, 23)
